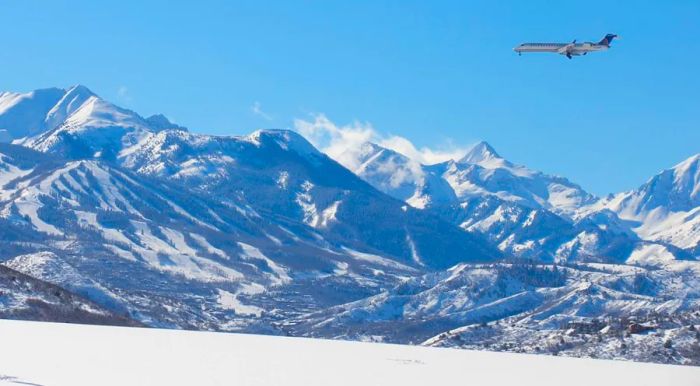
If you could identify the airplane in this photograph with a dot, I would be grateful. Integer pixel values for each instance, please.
(570, 49)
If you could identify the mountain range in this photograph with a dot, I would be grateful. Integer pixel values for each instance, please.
(146, 223)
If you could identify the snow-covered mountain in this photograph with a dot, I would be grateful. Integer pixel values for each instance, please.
(524, 213)
(26, 114)
(666, 208)
(205, 222)
(181, 248)
(23, 115)
(483, 171)
(398, 176)
(268, 171)
(480, 173)
(83, 125)
(265, 233)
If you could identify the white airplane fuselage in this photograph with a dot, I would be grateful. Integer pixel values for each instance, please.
(567, 49)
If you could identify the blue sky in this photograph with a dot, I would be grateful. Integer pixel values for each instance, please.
(442, 74)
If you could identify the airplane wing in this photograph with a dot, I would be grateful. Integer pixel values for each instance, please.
(567, 49)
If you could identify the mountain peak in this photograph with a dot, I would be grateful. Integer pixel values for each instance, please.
(480, 152)
(673, 190)
(285, 139)
(79, 89)
(160, 122)
(688, 165)
(687, 177)
(71, 101)
(23, 114)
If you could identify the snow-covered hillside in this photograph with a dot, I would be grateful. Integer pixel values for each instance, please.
(47, 354)
(25, 297)
(583, 310)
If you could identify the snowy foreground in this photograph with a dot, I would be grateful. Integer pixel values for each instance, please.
(50, 354)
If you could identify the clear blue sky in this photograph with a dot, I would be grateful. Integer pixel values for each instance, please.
(429, 71)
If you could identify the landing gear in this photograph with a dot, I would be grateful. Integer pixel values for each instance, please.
(568, 55)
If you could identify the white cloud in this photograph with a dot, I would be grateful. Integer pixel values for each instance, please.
(256, 108)
(343, 143)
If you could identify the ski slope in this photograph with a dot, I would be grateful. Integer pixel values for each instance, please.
(47, 354)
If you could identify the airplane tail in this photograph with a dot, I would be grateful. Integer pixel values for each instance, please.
(607, 39)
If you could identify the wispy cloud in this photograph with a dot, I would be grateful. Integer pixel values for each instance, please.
(343, 143)
(123, 94)
(256, 108)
